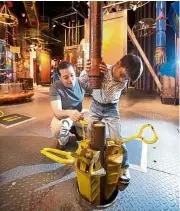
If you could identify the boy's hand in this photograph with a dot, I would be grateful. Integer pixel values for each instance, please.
(103, 68)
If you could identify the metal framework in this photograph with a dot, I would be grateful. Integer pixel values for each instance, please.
(145, 27)
(114, 6)
(7, 18)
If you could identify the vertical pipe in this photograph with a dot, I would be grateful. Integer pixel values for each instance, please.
(98, 140)
(69, 34)
(149, 48)
(76, 30)
(140, 79)
(136, 52)
(154, 87)
(98, 137)
(65, 37)
(72, 32)
(160, 51)
(78, 33)
(177, 78)
(96, 21)
(138, 35)
(144, 49)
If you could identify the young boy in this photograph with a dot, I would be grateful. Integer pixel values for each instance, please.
(104, 105)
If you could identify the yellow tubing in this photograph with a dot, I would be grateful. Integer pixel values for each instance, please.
(1, 113)
(68, 160)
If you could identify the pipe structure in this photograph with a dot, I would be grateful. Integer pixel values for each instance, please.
(69, 34)
(78, 32)
(98, 133)
(160, 51)
(65, 37)
(98, 142)
(95, 45)
(72, 34)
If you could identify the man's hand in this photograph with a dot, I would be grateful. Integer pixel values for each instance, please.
(75, 115)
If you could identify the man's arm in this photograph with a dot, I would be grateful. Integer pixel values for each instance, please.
(60, 113)
(56, 105)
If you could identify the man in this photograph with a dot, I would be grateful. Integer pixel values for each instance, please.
(105, 100)
(66, 96)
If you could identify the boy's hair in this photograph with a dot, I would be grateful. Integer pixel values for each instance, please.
(133, 65)
(63, 65)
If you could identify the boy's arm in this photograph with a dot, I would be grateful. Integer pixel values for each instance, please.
(84, 81)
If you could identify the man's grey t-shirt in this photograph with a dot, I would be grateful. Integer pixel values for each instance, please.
(71, 98)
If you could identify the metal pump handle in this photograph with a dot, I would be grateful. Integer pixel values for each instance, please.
(139, 136)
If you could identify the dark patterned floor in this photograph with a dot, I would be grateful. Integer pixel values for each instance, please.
(30, 181)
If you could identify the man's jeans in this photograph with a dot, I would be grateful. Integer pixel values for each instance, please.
(109, 114)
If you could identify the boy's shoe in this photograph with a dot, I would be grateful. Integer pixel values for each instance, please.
(124, 176)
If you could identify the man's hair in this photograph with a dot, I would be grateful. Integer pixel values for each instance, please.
(133, 65)
(63, 65)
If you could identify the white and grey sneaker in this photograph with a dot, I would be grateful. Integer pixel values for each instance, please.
(124, 176)
(64, 133)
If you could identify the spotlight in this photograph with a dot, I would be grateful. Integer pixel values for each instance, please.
(134, 7)
(54, 25)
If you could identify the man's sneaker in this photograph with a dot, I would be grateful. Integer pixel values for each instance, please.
(64, 133)
(60, 146)
(124, 176)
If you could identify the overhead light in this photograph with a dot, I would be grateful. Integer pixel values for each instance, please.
(54, 25)
(23, 14)
(134, 7)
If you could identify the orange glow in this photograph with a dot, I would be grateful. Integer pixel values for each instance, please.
(45, 66)
(114, 39)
